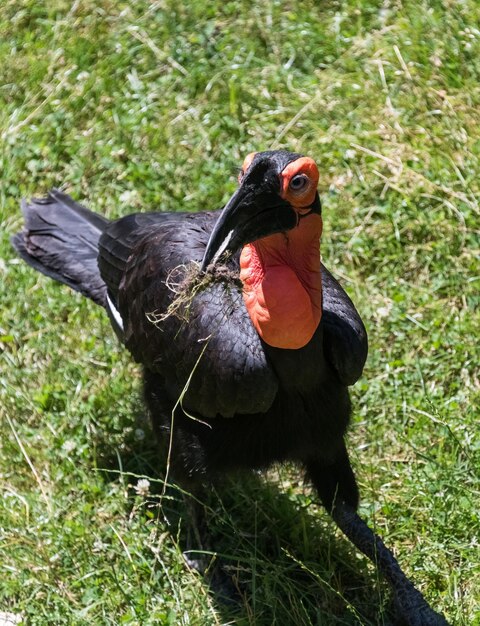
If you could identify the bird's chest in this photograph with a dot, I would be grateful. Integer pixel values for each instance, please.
(312, 408)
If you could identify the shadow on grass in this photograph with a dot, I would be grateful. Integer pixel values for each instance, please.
(271, 556)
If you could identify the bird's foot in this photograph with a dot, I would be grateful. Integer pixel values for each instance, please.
(220, 581)
(199, 564)
(413, 610)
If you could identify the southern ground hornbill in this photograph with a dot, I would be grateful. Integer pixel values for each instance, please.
(247, 361)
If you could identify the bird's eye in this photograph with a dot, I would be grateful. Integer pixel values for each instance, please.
(298, 182)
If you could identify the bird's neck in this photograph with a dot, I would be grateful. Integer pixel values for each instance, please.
(282, 285)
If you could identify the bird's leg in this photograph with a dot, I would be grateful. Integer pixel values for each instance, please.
(197, 542)
(413, 609)
(199, 553)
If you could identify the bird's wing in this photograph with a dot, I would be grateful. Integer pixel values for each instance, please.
(344, 336)
(212, 361)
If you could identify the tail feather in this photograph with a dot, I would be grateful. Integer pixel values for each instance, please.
(60, 239)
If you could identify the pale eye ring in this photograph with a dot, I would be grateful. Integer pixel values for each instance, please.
(298, 182)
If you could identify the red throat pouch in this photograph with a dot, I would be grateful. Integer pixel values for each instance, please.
(282, 284)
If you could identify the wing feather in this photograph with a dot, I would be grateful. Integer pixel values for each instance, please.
(216, 348)
(344, 337)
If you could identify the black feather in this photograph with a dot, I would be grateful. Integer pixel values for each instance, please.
(281, 404)
(60, 239)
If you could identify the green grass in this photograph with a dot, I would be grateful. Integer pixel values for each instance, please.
(146, 105)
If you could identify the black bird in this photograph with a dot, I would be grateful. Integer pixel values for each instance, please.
(259, 347)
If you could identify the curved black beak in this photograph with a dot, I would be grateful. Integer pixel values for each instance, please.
(246, 217)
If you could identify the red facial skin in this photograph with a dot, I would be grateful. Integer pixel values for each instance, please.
(300, 200)
(281, 273)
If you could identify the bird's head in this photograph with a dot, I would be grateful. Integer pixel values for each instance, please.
(276, 190)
